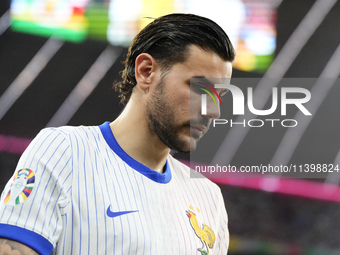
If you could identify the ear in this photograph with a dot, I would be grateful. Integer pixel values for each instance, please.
(145, 70)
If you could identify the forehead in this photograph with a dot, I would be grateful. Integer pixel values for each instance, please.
(202, 63)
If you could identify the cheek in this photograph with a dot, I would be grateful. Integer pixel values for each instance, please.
(185, 103)
(195, 103)
(180, 109)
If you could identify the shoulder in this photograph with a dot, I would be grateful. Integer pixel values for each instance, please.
(54, 147)
(67, 131)
(70, 134)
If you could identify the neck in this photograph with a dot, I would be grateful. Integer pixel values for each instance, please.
(133, 134)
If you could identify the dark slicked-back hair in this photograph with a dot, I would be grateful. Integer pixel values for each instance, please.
(167, 40)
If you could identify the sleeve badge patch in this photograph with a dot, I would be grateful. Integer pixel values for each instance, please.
(21, 187)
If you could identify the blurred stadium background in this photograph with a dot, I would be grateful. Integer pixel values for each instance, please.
(58, 59)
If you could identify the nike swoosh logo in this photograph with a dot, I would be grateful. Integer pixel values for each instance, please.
(115, 214)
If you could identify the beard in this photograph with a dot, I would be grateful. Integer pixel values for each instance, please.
(162, 121)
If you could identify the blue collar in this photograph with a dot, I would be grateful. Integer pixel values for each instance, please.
(144, 170)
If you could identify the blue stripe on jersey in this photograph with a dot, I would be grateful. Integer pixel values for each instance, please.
(126, 208)
(35, 150)
(115, 192)
(86, 198)
(10, 214)
(107, 190)
(38, 162)
(79, 196)
(95, 204)
(64, 234)
(27, 237)
(101, 189)
(151, 174)
(46, 186)
(95, 196)
(55, 185)
(134, 195)
(147, 203)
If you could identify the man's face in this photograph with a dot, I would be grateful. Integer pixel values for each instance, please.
(174, 109)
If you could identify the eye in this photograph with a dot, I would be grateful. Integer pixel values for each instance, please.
(198, 88)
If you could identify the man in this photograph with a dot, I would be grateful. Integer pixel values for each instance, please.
(114, 189)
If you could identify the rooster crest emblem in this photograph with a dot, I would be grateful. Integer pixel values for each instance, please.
(204, 233)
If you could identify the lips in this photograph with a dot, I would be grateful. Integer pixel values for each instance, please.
(199, 130)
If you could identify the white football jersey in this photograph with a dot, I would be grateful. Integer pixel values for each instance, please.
(75, 191)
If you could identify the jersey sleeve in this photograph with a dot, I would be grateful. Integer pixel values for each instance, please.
(37, 197)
